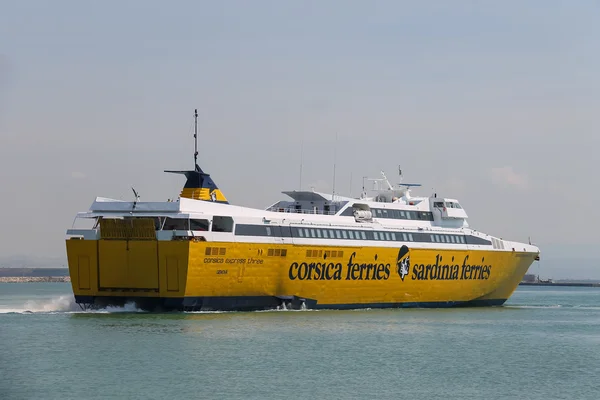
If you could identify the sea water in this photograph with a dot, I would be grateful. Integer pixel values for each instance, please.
(543, 344)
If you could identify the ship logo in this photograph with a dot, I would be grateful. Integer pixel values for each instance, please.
(403, 262)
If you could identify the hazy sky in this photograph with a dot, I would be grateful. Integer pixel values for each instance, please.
(493, 103)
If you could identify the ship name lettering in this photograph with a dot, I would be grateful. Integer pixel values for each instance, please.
(235, 261)
(329, 271)
(315, 271)
(439, 271)
(363, 271)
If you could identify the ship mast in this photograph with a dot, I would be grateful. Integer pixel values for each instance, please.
(196, 139)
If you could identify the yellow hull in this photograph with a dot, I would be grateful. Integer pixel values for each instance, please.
(210, 275)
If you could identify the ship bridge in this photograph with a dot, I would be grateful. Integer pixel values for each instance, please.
(310, 202)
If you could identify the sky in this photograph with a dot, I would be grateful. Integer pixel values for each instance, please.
(493, 103)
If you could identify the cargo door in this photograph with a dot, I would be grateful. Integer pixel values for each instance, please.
(128, 255)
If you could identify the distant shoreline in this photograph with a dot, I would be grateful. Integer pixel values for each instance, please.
(25, 275)
(32, 279)
(573, 284)
(34, 272)
(51, 279)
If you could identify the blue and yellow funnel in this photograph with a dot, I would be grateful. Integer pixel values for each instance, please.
(200, 186)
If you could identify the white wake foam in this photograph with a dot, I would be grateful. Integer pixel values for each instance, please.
(63, 304)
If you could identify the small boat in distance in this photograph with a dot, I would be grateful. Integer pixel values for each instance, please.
(384, 249)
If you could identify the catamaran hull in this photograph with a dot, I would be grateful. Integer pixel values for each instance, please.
(190, 275)
(257, 303)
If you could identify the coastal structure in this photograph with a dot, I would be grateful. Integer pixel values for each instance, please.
(386, 248)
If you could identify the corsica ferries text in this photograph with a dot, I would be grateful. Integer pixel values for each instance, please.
(336, 272)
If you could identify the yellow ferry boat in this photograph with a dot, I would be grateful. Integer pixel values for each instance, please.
(316, 250)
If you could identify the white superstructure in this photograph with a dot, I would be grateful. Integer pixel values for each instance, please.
(384, 219)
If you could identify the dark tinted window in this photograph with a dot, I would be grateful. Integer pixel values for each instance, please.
(251, 230)
(476, 240)
(179, 224)
(348, 212)
(222, 224)
(199, 224)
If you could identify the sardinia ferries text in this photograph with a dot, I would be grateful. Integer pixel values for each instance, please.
(453, 272)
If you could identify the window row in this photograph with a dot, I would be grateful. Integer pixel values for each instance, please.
(322, 233)
(219, 224)
(355, 234)
(448, 239)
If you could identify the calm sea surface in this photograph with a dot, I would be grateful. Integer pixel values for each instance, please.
(544, 344)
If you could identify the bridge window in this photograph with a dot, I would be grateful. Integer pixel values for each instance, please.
(222, 224)
(179, 224)
(348, 212)
(338, 234)
(199, 224)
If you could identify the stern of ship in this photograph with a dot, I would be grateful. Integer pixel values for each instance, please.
(126, 263)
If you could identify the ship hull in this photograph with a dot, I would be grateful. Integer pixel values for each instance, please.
(190, 275)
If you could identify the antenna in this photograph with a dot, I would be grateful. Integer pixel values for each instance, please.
(363, 194)
(195, 138)
(334, 160)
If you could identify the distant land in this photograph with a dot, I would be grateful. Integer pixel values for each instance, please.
(19, 275)
(25, 261)
(38, 272)
(553, 266)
